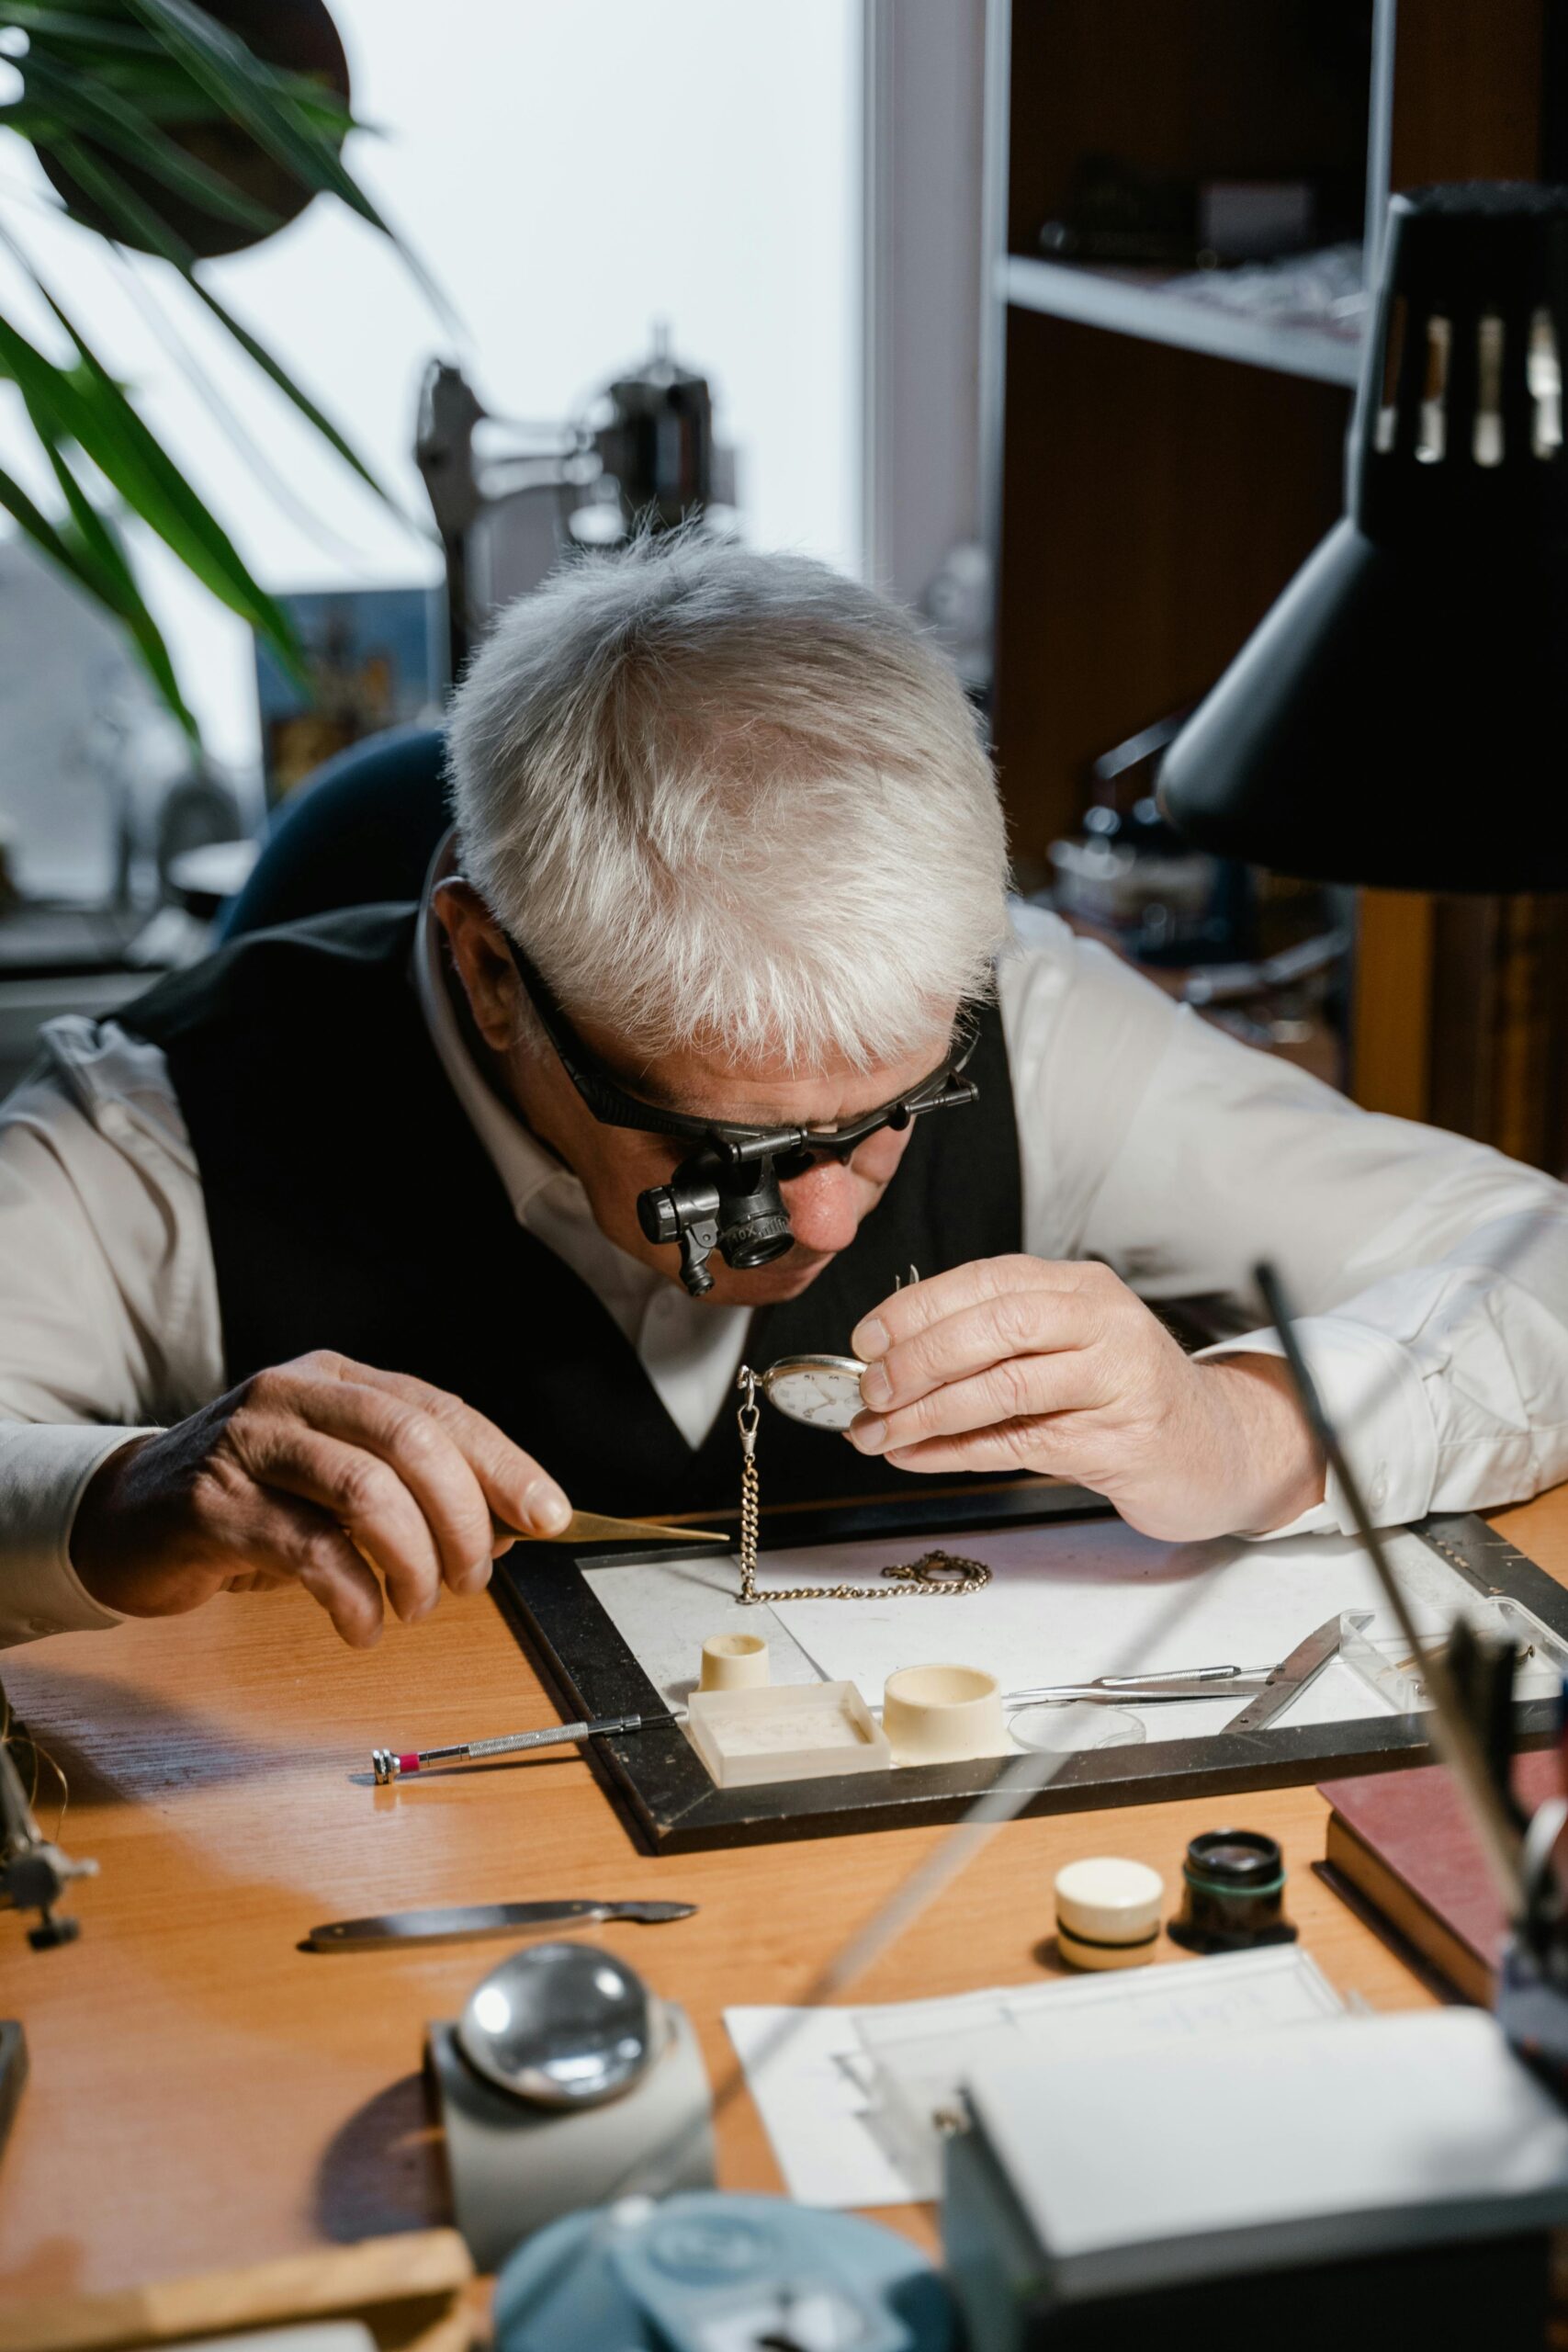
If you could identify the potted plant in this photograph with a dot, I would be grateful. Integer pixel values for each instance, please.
(183, 131)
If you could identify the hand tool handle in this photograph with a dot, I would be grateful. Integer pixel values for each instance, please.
(1177, 1674)
(1147, 1690)
(392, 1764)
(553, 1735)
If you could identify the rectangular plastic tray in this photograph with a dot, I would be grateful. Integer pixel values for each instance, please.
(800, 1731)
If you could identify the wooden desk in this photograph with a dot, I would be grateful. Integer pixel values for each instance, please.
(204, 2093)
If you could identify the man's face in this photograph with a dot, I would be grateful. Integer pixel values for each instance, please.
(614, 1164)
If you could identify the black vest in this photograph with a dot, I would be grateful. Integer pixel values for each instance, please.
(351, 1206)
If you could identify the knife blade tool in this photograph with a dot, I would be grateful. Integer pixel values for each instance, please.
(461, 1922)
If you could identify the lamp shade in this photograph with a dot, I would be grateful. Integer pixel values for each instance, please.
(1400, 716)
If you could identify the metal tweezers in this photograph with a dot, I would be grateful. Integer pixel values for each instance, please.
(1110, 1689)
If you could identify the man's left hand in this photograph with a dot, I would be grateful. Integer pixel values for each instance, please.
(1026, 1365)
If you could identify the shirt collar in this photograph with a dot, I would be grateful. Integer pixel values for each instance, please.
(521, 1160)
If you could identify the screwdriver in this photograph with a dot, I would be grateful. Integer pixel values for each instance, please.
(387, 1764)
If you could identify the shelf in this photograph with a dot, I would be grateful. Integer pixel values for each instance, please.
(1128, 301)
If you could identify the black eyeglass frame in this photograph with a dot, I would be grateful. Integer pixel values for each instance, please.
(614, 1106)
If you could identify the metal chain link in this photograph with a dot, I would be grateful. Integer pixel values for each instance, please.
(935, 1576)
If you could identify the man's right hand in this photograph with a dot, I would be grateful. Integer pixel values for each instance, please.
(304, 1474)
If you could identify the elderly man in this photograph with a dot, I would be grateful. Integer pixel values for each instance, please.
(327, 1252)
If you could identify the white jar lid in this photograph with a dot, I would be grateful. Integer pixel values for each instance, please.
(1109, 1900)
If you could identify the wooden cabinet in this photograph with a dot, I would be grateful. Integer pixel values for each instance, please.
(1159, 467)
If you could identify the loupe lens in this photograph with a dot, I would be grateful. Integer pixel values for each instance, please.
(756, 1241)
(1233, 1893)
(753, 1223)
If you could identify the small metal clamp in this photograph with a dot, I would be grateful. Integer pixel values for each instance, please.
(750, 1412)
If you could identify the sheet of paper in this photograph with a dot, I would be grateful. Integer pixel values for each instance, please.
(814, 2108)
(822, 2095)
(1071, 1602)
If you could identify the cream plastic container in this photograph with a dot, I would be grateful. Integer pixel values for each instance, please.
(735, 1662)
(795, 1731)
(943, 1714)
(1108, 1912)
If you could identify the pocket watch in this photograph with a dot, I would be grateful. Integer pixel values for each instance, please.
(822, 1391)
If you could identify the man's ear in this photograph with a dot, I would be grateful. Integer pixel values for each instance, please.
(484, 966)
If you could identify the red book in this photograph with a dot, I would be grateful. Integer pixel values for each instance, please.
(1400, 1845)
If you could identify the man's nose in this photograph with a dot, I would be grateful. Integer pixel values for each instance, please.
(822, 1206)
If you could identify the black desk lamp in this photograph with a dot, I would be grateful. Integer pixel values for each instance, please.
(1400, 716)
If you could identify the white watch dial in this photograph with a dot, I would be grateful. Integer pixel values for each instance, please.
(822, 1391)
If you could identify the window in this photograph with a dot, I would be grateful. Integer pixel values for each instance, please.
(570, 174)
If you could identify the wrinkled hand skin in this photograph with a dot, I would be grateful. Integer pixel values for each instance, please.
(1027, 1364)
(320, 1473)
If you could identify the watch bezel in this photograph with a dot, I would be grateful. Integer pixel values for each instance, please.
(850, 1366)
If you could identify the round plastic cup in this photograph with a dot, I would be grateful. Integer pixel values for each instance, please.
(942, 1714)
(735, 1662)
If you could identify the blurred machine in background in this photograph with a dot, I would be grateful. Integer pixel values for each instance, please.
(1259, 954)
(101, 795)
(109, 863)
(510, 498)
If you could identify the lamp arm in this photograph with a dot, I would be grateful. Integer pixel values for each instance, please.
(1456, 1738)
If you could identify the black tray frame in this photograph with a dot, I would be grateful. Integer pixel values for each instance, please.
(662, 1789)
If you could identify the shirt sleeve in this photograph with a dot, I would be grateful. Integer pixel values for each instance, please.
(108, 1307)
(1430, 1274)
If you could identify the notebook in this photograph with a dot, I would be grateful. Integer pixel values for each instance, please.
(1400, 1845)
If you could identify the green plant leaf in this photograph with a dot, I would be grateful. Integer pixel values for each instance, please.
(70, 25)
(314, 95)
(256, 97)
(164, 91)
(159, 89)
(125, 206)
(43, 535)
(87, 407)
(76, 98)
(286, 384)
(115, 73)
(245, 89)
(119, 590)
(150, 229)
(98, 580)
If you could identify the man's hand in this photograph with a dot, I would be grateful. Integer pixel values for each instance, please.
(1020, 1363)
(303, 1475)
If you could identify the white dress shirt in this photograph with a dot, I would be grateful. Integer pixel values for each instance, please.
(1432, 1275)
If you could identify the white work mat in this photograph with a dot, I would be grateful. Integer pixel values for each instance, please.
(821, 2098)
(1069, 1600)
(665, 1609)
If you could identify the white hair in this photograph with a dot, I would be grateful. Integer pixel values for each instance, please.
(732, 798)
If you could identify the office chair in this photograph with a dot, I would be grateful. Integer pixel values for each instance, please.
(364, 829)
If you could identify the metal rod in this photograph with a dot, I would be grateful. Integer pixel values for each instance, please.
(1180, 1682)
(1132, 1694)
(1456, 1739)
(389, 1764)
(1179, 1674)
